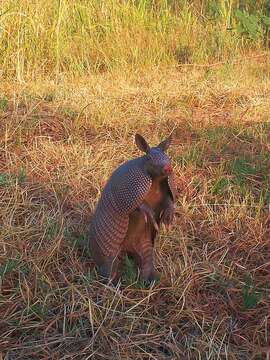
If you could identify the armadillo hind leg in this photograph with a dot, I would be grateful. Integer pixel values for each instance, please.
(107, 266)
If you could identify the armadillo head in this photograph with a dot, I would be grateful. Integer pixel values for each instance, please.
(157, 163)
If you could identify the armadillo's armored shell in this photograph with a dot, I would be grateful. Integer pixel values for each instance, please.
(123, 193)
(129, 188)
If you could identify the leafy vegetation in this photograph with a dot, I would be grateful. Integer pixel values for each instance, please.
(250, 295)
(3, 104)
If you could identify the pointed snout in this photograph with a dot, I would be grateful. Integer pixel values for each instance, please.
(167, 169)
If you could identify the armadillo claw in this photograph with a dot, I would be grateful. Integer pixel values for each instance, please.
(154, 276)
(148, 213)
(167, 217)
(167, 227)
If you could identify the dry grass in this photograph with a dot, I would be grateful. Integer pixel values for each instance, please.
(60, 141)
(81, 36)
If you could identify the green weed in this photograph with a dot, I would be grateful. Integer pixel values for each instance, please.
(242, 169)
(250, 296)
(5, 179)
(8, 266)
(3, 104)
(21, 175)
(220, 186)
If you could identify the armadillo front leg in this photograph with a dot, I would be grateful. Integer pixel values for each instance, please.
(149, 214)
(107, 264)
(167, 214)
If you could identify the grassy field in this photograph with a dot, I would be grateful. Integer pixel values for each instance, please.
(69, 110)
(48, 37)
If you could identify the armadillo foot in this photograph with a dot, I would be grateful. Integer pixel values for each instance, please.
(109, 270)
(112, 281)
(150, 276)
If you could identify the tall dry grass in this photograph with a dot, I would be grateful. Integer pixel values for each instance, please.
(52, 37)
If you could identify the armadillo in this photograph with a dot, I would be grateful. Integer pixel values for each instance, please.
(137, 198)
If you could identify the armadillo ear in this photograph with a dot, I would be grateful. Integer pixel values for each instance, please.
(142, 143)
(165, 143)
